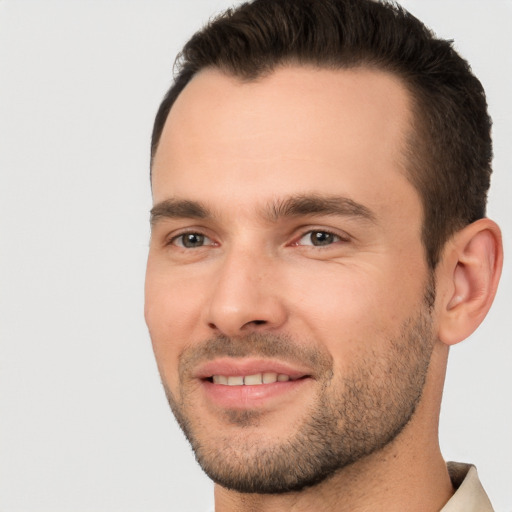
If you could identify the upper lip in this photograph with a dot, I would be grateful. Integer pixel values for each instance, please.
(230, 366)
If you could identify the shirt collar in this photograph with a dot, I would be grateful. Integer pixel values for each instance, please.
(469, 494)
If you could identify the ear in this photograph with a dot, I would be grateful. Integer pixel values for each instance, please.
(467, 279)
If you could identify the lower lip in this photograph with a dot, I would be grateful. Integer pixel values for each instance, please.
(248, 397)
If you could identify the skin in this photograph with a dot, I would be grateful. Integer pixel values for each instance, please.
(237, 148)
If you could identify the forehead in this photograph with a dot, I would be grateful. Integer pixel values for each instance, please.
(298, 130)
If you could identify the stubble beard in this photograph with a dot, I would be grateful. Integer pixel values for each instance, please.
(351, 418)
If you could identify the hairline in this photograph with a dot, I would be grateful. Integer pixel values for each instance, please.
(414, 142)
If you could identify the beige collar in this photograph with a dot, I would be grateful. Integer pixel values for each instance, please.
(469, 494)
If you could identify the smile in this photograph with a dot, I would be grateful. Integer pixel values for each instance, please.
(251, 383)
(251, 380)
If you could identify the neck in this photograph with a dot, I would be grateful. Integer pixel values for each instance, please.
(408, 473)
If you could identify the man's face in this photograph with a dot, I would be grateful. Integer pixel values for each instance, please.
(286, 282)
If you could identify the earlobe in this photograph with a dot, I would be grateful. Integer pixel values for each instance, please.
(469, 273)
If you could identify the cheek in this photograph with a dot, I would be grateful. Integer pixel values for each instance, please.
(353, 310)
(172, 313)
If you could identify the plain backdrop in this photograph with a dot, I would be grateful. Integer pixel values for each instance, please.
(84, 425)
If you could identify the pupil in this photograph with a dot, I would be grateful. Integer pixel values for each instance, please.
(193, 240)
(322, 238)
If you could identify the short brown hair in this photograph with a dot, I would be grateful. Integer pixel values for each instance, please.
(449, 154)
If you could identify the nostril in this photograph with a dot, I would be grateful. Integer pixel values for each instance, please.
(233, 329)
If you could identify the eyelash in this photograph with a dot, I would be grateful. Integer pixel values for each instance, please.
(338, 238)
(175, 238)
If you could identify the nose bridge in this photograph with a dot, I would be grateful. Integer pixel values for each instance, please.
(246, 296)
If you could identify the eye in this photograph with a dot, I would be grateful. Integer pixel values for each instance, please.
(318, 238)
(191, 240)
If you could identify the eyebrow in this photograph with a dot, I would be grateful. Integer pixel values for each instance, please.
(314, 204)
(178, 209)
(293, 206)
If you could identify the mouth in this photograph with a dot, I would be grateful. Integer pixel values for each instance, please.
(246, 384)
(256, 379)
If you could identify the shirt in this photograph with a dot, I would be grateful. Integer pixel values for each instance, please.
(469, 494)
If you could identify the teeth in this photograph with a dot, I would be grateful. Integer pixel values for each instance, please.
(251, 380)
(235, 381)
(269, 378)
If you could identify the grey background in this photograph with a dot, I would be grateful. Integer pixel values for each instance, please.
(84, 426)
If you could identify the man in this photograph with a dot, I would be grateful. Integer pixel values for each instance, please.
(319, 241)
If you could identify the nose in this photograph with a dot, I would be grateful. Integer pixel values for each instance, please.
(246, 297)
